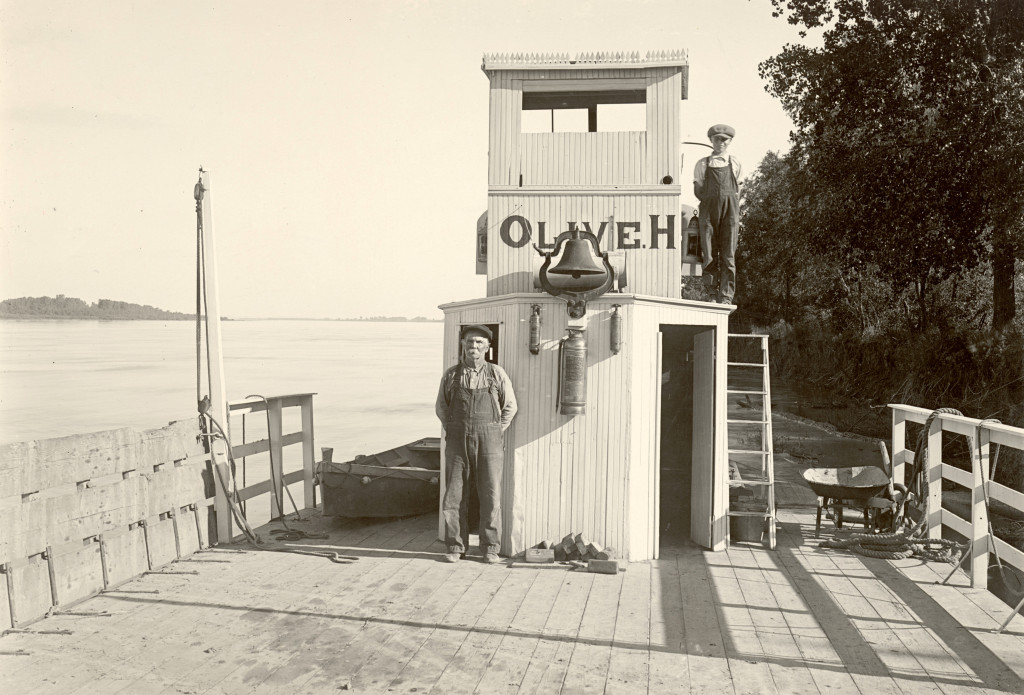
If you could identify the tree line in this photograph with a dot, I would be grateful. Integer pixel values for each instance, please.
(74, 308)
(882, 251)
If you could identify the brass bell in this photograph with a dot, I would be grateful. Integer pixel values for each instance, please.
(576, 259)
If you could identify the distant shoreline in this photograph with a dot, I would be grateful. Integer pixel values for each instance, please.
(50, 317)
(64, 308)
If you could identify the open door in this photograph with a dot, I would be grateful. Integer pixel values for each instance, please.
(703, 468)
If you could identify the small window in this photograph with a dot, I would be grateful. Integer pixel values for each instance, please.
(578, 111)
(555, 121)
(621, 117)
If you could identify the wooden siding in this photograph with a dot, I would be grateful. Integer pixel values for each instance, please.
(506, 100)
(598, 473)
(550, 180)
(644, 408)
(663, 134)
(583, 159)
(653, 272)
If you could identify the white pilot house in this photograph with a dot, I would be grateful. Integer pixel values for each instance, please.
(625, 439)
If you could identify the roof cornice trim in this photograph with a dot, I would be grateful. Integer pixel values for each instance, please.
(677, 58)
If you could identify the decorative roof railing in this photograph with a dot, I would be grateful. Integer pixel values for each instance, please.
(590, 60)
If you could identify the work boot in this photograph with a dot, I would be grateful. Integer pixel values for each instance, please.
(492, 558)
(451, 557)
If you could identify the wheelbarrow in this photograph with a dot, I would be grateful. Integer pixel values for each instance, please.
(861, 487)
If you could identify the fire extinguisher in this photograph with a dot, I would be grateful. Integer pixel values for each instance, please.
(572, 374)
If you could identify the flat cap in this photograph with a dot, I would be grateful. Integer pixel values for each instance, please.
(721, 129)
(477, 329)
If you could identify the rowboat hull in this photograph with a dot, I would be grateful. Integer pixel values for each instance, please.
(404, 481)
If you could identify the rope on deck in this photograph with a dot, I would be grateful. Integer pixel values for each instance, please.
(897, 546)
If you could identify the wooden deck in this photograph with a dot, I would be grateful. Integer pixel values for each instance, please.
(749, 620)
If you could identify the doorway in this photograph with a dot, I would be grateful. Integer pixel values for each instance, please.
(687, 405)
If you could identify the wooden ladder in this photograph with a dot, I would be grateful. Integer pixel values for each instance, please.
(748, 388)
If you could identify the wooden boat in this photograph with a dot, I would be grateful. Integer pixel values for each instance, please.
(403, 481)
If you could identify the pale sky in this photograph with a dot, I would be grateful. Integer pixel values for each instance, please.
(346, 141)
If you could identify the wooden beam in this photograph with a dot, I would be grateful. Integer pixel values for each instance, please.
(218, 390)
(308, 454)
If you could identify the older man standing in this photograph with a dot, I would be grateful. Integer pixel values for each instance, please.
(475, 404)
(716, 185)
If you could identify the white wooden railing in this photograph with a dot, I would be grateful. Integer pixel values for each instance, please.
(982, 437)
(275, 443)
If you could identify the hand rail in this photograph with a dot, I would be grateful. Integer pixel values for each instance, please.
(275, 443)
(982, 435)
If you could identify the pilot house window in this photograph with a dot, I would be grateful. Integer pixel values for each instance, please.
(578, 111)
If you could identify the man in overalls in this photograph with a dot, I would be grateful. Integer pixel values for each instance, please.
(716, 185)
(476, 404)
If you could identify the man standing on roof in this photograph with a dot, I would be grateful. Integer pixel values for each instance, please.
(475, 404)
(716, 185)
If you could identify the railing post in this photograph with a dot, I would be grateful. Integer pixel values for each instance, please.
(275, 433)
(899, 445)
(219, 458)
(980, 540)
(934, 492)
(308, 496)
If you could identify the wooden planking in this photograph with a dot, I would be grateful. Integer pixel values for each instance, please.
(804, 631)
(699, 622)
(429, 662)
(34, 466)
(105, 485)
(669, 669)
(33, 525)
(549, 662)
(629, 665)
(587, 667)
(468, 666)
(755, 580)
(507, 666)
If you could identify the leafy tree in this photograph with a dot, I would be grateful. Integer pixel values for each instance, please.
(909, 137)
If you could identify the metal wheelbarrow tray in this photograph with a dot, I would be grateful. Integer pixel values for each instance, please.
(856, 485)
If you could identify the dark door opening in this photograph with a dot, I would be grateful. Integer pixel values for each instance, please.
(676, 464)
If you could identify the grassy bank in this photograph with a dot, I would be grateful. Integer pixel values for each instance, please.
(846, 378)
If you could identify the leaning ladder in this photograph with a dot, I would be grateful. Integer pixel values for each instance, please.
(751, 467)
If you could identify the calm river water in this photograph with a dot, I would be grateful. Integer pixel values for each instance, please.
(375, 382)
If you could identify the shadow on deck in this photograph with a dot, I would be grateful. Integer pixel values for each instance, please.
(397, 619)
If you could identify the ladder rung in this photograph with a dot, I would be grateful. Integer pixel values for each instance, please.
(763, 411)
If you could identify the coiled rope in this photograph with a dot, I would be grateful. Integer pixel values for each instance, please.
(919, 473)
(911, 543)
(897, 546)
